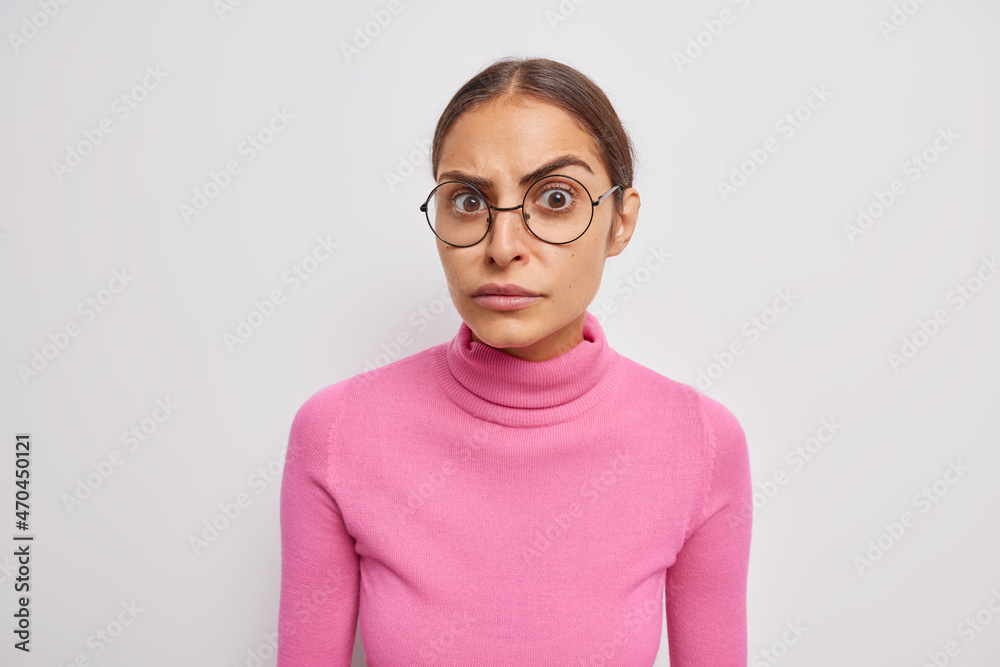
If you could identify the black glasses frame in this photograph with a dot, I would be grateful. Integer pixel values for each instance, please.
(594, 203)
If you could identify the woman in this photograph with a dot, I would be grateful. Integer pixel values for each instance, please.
(522, 494)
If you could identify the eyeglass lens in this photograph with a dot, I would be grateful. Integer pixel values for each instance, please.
(558, 210)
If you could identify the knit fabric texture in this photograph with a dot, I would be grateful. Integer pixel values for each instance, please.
(467, 507)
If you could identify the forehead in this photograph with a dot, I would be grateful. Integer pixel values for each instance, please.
(508, 138)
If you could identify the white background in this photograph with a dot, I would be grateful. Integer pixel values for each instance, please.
(324, 175)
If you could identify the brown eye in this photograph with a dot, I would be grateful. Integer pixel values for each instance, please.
(468, 203)
(471, 203)
(556, 197)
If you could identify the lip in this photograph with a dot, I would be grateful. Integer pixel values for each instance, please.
(504, 297)
(503, 290)
(505, 302)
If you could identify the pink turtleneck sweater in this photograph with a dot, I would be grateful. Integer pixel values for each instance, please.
(478, 509)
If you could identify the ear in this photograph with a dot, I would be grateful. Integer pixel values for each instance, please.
(624, 223)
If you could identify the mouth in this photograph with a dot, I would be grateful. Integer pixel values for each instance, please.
(504, 297)
(503, 290)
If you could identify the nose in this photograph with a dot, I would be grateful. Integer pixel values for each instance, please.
(507, 237)
(516, 210)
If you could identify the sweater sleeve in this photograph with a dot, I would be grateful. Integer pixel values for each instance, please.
(318, 609)
(706, 585)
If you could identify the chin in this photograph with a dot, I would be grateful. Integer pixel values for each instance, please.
(505, 329)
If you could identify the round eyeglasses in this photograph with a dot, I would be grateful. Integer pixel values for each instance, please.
(556, 209)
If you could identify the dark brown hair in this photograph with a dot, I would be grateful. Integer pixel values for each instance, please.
(556, 83)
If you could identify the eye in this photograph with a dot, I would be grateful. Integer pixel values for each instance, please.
(467, 202)
(556, 197)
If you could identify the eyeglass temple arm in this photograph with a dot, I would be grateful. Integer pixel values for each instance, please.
(601, 198)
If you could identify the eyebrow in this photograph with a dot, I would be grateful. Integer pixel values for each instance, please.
(482, 183)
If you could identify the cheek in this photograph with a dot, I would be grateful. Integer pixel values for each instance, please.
(455, 265)
(582, 270)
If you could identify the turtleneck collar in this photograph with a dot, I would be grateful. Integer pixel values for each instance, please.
(493, 385)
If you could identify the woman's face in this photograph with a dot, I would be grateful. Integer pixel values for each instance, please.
(502, 142)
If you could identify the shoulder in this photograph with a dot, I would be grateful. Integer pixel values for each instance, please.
(719, 427)
(404, 371)
(320, 409)
(707, 411)
(723, 426)
(316, 419)
(663, 390)
(312, 430)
